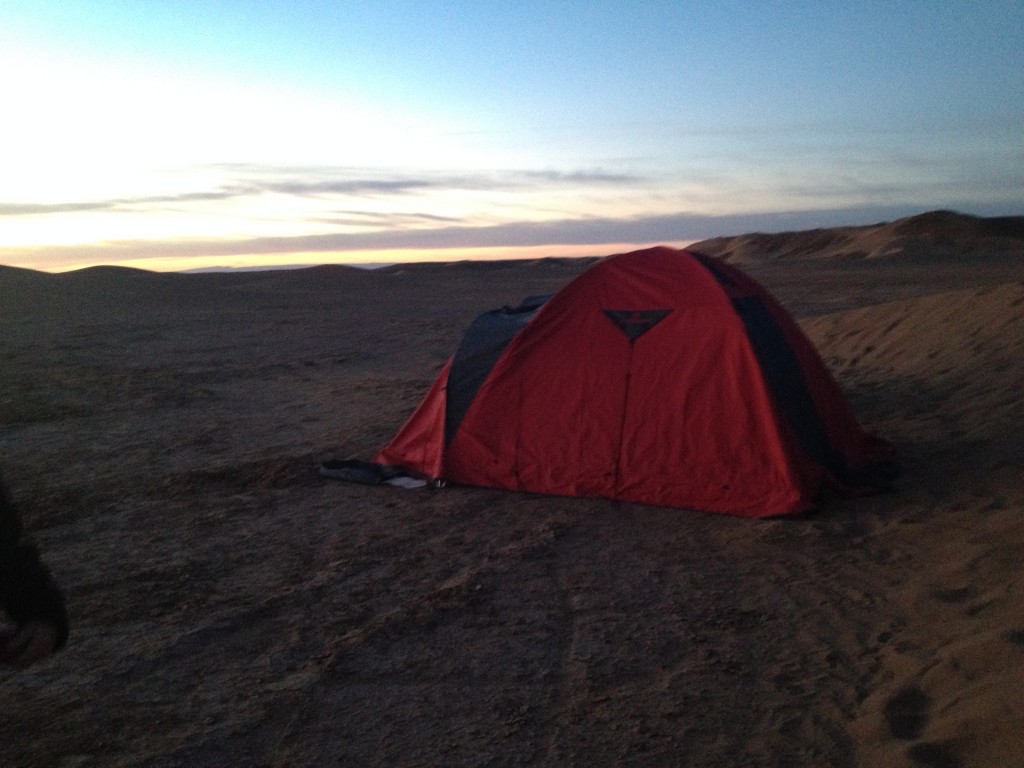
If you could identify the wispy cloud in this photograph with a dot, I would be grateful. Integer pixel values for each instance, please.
(123, 203)
(35, 209)
(380, 220)
(324, 182)
(356, 182)
(360, 187)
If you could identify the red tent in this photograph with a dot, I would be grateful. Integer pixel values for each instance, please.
(659, 376)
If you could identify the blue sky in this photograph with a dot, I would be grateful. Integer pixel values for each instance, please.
(179, 134)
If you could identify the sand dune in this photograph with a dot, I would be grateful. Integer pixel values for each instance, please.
(230, 607)
(931, 236)
(949, 678)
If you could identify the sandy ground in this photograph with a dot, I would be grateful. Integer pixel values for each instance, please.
(230, 607)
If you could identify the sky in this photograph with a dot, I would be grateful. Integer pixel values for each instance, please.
(181, 134)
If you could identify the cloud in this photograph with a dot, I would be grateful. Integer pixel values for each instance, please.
(354, 187)
(122, 203)
(253, 180)
(33, 209)
(384, 219)
(577, 177)
(354, 182)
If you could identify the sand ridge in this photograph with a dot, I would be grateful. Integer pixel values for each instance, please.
(231, 607)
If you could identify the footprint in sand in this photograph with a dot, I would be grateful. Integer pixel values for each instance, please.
(907, 712)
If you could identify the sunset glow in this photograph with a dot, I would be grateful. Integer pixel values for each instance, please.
(184, 135)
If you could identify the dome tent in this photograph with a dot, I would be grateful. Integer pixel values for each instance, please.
(660, 377)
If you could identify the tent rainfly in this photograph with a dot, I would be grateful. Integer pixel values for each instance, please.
(660, 377)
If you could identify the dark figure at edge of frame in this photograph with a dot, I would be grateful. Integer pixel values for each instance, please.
(28, 594)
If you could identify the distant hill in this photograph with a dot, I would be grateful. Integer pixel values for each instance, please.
(934, 235)
(11, 276)
(929, 235)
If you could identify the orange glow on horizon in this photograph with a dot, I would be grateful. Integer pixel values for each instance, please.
(362, 258)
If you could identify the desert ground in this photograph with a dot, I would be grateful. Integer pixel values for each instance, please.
(230, 607)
